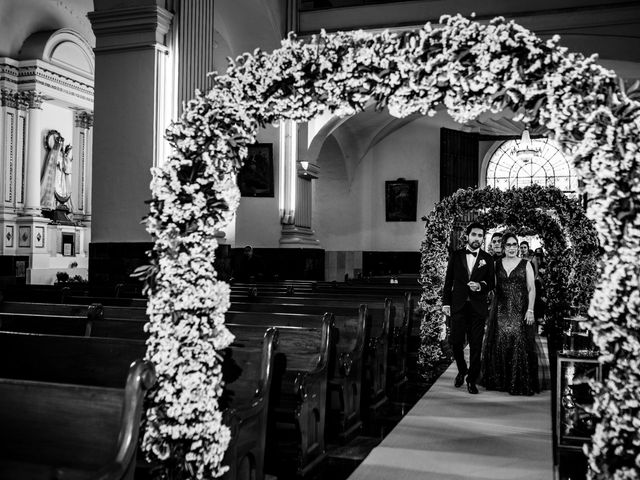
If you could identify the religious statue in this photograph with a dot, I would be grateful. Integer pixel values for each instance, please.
(55, 178)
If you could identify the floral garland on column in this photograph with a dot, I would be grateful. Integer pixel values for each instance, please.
(468, 68)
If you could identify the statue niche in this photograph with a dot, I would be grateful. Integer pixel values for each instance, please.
(55, 179)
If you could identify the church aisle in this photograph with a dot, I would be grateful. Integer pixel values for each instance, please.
(450, 435)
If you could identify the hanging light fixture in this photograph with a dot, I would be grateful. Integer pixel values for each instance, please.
(525, 151)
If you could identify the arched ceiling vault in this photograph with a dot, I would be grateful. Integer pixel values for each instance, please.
(358, 134)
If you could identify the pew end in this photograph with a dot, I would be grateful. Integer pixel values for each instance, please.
(64, 431)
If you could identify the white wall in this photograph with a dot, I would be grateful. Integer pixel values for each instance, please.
(257, 220)
(352, 216)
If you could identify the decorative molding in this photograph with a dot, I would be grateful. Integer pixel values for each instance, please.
(8, 98)
(8, 74)
(42, 76)
(130, 28)
(82, 167)
(45, 79)
(22, 155)
(294, 236)
(38, 237)
(24, 236)
(9, 138)
(32, 99)
(9, 236)
(83, 119)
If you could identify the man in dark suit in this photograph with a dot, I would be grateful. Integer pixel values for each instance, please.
(470, 276)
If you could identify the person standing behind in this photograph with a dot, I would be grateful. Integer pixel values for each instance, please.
(496, 246)
(510, 363)
(469, 277)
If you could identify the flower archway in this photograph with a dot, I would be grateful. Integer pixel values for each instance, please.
(462, 65)
(569, 238)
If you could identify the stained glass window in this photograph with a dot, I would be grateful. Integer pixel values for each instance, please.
(541, 161)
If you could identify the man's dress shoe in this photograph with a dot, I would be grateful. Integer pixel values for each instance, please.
(472, 388)
(459, 380)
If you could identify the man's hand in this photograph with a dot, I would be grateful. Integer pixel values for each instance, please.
(474, 286)
(446, 309)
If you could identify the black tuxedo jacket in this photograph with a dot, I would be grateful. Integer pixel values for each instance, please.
(456, 292)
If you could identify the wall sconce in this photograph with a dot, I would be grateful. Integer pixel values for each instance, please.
(307, 170)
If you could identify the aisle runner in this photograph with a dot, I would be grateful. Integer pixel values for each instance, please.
(452, 435)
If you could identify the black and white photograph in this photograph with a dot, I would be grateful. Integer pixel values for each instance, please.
(319, 240)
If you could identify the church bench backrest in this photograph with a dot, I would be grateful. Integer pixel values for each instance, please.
(305, 346)
(299, 391)
(44, 308)
(72, 325)
(247, 370)
(349, 325)
(44, 323)
(65, 359)
(248, 367)
(111, 301)
(52, 430)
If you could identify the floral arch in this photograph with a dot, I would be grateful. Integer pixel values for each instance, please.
(460, 64)
(569, 238)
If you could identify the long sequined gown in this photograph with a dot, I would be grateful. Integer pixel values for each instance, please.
(509, 361)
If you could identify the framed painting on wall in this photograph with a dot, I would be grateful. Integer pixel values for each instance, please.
(401, 200)
(255, 178)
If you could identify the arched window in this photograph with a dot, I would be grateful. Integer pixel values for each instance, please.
(517, 163)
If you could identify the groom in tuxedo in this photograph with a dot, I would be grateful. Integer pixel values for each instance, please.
(470, 276)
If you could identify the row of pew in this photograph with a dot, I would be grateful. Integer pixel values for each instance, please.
(306, 367)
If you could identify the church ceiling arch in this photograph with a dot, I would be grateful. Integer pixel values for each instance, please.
(356, 135)
(64, 48)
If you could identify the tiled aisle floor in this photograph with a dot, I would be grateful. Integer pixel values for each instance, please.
(452, 435)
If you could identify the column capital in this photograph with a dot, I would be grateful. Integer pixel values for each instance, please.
(83, 119)
(128, 28)
(8, 98)
(31, 99)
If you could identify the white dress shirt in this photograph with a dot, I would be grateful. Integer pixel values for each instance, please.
(471, 260)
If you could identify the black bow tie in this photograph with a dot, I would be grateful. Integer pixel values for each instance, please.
(469, 252)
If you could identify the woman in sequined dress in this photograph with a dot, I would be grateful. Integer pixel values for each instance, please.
(509, 358)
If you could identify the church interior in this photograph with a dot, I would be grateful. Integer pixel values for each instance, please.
(88, 89)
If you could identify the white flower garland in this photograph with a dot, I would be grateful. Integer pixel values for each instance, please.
(470, 69)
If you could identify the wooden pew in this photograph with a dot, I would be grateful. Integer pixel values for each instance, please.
(125, 324)
(383, 322)
(105, 300)
(271, 288)
(346, 361)
(55, 431)
(398, 342)
(44, 293)
(100, 362)
(68, 359)
(295, 434)
(247, 371)
(74, 325)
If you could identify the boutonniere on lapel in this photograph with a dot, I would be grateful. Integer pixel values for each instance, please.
(481, 263)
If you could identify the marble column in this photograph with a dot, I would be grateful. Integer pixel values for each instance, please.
(296, 192)
(33, 101)
(131, 70)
